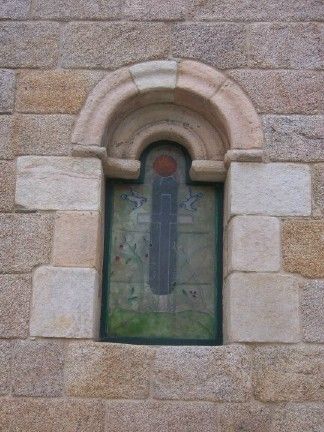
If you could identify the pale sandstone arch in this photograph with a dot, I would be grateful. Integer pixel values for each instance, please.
(183, 101)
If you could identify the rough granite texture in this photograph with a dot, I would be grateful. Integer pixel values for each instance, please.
(269, 375)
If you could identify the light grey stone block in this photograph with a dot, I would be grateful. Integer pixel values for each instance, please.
(254, 244)
(58, 183)
(14, 9)
(261, 307)
(76, 9)
(318, 188)
(312, 307)
(275, 189)
(65, 303)
(27, 44)
(7, 89)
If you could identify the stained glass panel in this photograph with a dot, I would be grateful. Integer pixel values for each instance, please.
(161, 272)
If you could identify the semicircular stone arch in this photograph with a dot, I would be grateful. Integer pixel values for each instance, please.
(183, 101)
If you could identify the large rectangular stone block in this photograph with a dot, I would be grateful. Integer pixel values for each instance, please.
(27, 44)
(25, 241)
(65, 303)
(54, 91)
(286, 373)
(283, 92)
(303, 247)
(109, 371)
(155, 10)
(202, 373)
(5, 367)
(247, 417)
(275, 189)
(294, 138)
(15, 296)
(153, 416)
(221, 45)
(298, 417)
(90, 44)
(58, 183)
(312, 307)
(14, 9)
(254, 244)
(283, 45)
(7, 185)
(261, 307)
(76, 9)
(6, 146)
(37, 368)
(7, 90)
(42, 134)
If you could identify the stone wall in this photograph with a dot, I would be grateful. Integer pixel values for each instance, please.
(54, 376)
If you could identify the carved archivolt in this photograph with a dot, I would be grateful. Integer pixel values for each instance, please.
(186, 101)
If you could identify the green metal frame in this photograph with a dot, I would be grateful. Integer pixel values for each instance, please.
(219, 198)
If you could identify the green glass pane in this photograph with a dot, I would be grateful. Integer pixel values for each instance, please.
(161, 276)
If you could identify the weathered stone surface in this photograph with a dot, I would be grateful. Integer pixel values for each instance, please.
(50, 415)
(285, 45)
(220, 45)
(275, 189)
(155, 75)
(76, 239)
(58, 183)
(303, 247)
(90, 44)
(25, 241)
(294, 138)
(283, 92)
(261, 307)
(283, 373)
(254, 243)
(5, 360)
(108, 370)
(7, 90)
(76, 9)
(318, 188)
(7, 185)
(247, 10)
(14, 8)
(294, 417)
(37, 368)
(54, 91)
(312, 307)
(153, 416)
(65, 302)
(26, 44)
(246, 417)
(155, 10)
(6, 147)
(42, 134)
(15, 296)
(202, 373)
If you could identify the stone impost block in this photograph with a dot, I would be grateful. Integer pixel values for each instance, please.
(208, 170)
(25, 241)
(5, 362)
(65, 303)
(6, 146)
(37, 368)
(27, 44)
(155, 75)
(76, 9)
(283, 92)
(270, 42)
(318, 188)
(7, 90)
(42, 134)
(243, 155)
(294, 138)
(312, 307)
(283, 373)
(261, 307)
(14, 9)
(101, 370)
(7, 185)
(58, 183)
(76, 239)
(152, 416)
(15, 296)
(54, 91)
(275, 189)
(50, 415)
(254, 244)
(89, 44)
(303, 247)
(202, 373)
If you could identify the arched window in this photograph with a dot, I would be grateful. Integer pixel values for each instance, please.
(163, 247)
